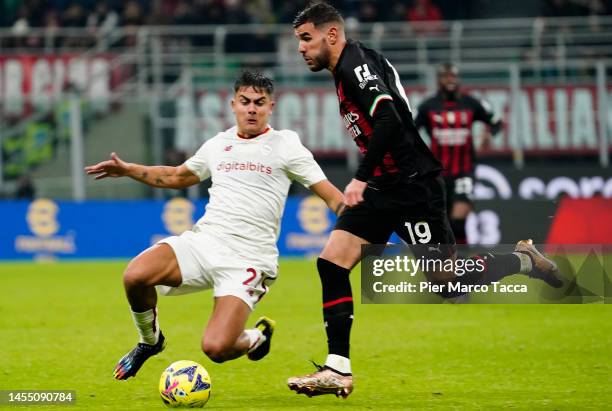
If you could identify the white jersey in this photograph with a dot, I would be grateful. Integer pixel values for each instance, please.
(250, 183)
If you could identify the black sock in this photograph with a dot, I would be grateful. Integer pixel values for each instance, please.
(458, 227)
(337, 306)
(498, 266)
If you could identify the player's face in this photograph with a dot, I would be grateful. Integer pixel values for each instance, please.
(252, 109)
(313, 46)
(448, 81)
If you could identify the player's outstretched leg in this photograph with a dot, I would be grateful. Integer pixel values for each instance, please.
(325, 380)
(155, 266)
(131, 362)
(261, 348)
(542, 267)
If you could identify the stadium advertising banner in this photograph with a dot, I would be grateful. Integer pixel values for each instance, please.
(552, 120)
(541, 182)
(498, 191)
(48, 229)
(36, 81)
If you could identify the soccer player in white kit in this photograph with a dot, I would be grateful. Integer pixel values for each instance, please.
(232, 248)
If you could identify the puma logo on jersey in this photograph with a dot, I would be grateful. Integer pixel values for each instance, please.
(228, 148)
(374, 88)
(437, 249)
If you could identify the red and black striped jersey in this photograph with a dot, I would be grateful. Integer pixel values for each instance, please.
(449, 125)
(365, 80)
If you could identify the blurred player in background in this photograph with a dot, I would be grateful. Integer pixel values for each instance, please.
(448, 117)
(232, 248)
(397, 187)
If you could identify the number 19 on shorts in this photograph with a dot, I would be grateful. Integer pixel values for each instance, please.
(419, 232)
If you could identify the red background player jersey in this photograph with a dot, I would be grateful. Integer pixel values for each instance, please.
(449, 125)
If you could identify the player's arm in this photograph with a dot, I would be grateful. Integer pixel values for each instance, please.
(330, 194)
(302, 167)
(387, 126)
(484, 112)
(373, 97)
(155, 176)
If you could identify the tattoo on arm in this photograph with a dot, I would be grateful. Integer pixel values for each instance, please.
(158, 176)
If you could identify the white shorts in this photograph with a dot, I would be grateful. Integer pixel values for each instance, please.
(206, 262)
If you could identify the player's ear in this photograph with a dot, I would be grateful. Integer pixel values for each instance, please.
(332, 35)
(233, 104)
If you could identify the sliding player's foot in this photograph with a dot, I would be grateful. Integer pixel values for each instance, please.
(543, 268)
(131, 362)
(324, 381)
(266, 326)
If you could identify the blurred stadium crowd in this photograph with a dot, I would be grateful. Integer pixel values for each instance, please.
(108, 14)
(50, 31)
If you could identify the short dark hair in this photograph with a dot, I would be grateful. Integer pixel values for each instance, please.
(318, 13)
(256, 80)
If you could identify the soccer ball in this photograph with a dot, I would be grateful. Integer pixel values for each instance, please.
(185, 384)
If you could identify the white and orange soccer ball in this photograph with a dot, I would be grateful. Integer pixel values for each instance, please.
(185, 384)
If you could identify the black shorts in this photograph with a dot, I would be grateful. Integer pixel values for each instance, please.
(416, 212)
(459, 189)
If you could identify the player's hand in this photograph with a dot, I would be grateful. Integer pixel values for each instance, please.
(353, 193)
(485, 140)
(115, 167)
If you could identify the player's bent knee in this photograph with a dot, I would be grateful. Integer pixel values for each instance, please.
(137, 277)
(217, 352)
(342, 254)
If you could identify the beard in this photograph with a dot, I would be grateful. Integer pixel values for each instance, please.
(321, 61)
(451, 93)
(317, 66)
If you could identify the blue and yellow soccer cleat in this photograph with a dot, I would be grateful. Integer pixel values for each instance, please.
(266, 326)
(131, 362)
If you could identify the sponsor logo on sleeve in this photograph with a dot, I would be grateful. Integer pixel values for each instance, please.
(363, 75)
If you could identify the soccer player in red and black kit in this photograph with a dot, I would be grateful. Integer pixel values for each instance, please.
(397, 187)
(448, 117)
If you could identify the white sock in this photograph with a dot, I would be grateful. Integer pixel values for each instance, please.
(256, 338)
(147, 325)
(526, 265)
(339, 363)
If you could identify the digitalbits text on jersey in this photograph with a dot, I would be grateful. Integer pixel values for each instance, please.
(240, 166)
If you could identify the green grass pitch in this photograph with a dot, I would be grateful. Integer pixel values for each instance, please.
(64, 325)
